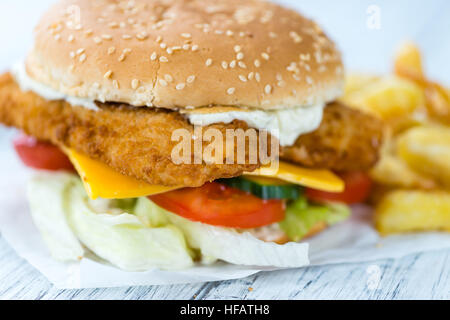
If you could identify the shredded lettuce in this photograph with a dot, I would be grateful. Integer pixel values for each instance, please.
(301, 217)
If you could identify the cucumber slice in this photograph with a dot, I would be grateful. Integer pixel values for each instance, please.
(263, 190)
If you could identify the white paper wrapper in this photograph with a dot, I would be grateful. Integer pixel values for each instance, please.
(352, 241)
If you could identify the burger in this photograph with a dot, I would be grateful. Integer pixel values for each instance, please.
(168, 133)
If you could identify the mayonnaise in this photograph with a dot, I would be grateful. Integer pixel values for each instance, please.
(28, 84)
(285, 124)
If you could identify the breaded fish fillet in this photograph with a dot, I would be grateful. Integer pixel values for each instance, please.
(137, 141)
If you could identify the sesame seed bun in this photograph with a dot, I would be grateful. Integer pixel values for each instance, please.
(180, 53)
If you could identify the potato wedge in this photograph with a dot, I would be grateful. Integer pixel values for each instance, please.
(410, 211)
(427, 150)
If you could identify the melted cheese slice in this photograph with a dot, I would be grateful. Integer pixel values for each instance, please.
(317, 179)
(102, 181)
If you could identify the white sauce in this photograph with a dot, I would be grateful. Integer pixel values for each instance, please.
(286, 124)
(28, 84)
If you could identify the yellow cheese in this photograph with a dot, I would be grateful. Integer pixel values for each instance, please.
(317, 179)
(102, 181)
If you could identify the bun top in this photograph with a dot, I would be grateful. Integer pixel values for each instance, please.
(185, 53)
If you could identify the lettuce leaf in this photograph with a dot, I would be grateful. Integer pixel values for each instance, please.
(217, 243)
(46, 195)
(112, 234)
(301, 217)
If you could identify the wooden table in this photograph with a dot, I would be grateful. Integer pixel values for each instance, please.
(421, 276)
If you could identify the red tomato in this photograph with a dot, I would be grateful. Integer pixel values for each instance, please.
(357, 190)
(220, 205)
(41, 155)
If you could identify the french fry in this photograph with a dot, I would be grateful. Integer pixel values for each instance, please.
(389, 98)
(410, 211)
(408, 61)
(427, 151)
(358, 81)
(394, 172)
(408, 65)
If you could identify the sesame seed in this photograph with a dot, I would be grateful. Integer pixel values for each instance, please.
(57, 37)
(108, 74)
(126, 37)
(208, 62)
(180, 86)
(190, 79)
(113, 24)
(243, 78)
(242, 65)
(257, 63)
(168, 78)
(154, 56)
(251, 75)
(309, 80)
(88, 32)
(186, 35)
(142, 35)
(240, 56)
(273, 35)
(121, 57)
(111, 50)
(159, 39)
(163, 82)
(98, 40)
(169, 50)
(230, 33)
(116, 84)
(231, 91)
(163, 45)
(237, 48)
(83, 57)
(194, 47)
(80, 51)
(96, 85)
(265, 56)
(106, 36)
(268, 89)
(71, 38)
(258, 77)
(135, 84)
(233, 64)
(295, 36)
(186, 47)
(224, 65)
(163, 59)
(281, 84)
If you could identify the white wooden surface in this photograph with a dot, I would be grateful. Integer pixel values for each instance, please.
(421, 276)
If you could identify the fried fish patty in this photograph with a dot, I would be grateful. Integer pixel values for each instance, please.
(137, 141)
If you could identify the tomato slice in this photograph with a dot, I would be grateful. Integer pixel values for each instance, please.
(220, 205)
(41, 155)
(357, 190)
